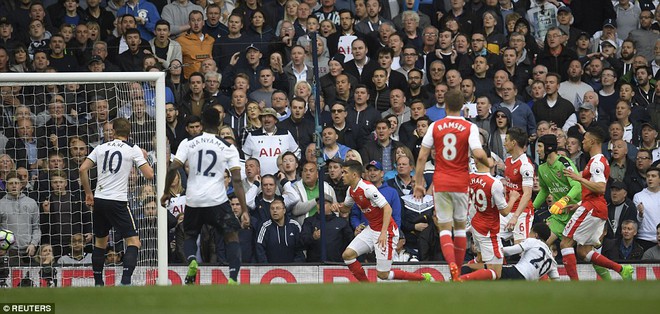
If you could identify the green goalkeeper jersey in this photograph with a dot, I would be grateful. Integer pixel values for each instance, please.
(553, 182)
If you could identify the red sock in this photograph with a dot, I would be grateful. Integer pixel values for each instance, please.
(481, 274)
(357, 271)
(600, 260)
(570, 263)
(404, 275)
(460, 244)
(447, 246)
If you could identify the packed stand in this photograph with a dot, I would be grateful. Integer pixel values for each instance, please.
(540, 67)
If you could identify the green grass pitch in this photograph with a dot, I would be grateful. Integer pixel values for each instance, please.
(474, 297)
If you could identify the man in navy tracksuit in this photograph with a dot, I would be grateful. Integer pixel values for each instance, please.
(338, 234)
(278, 240)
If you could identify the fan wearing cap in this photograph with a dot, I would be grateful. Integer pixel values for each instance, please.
(268, 142)
(565, 23)
(608, 32)
(8, 38)
(553, 182)
(649, 140)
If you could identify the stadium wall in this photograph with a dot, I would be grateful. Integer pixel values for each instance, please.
(83, 276)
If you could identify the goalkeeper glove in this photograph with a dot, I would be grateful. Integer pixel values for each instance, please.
(558, 207)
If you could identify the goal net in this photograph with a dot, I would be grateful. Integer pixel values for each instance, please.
(50, 122)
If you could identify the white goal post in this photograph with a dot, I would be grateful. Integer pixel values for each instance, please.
(158, 78)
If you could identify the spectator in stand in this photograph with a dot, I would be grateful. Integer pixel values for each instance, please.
(176, 12)
(264, 94)
(298, 124)
(26, 148)
(279, 238)
(555, 56)
(332, 149)
(636, 182)
(521, 116)
(573, 88)
(337, 234)
(228, 49)
(146, 15)
(164, 49)
(654, 252)
(437, 111)
(20, 214)
(403, 181)
(196, 46)
(307, 191)
(647, 203)
(644, 36)
(562, 112)
(63, 214)
(407, 129)
(620, 208)
(215, 25)
(131, 59)
(383, 149)
(82, 45)
(262, 193)
(483, 116)
(77, 255)
(334, 178)
(361, 61)
(649, 140)
(263, 143)
(197, 99)
(58, 59)
(625, 247)
(175, 130)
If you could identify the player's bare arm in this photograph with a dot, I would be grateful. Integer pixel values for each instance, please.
(240, 194)
(169, 178)
(147, 171)
(597, 187)
(513, 197)
(424, 153)
(341, 208)
(84, 180)
(524, 200)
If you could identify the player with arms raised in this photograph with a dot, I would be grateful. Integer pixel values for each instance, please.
(518, 176)
(209, 156)
(586, 224)
(382, 234)
(453, 138)
(487, 198)
(109, 202)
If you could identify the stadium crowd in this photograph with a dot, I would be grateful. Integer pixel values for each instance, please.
(545, 66)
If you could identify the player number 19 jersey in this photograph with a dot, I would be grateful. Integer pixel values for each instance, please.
(487, 199)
